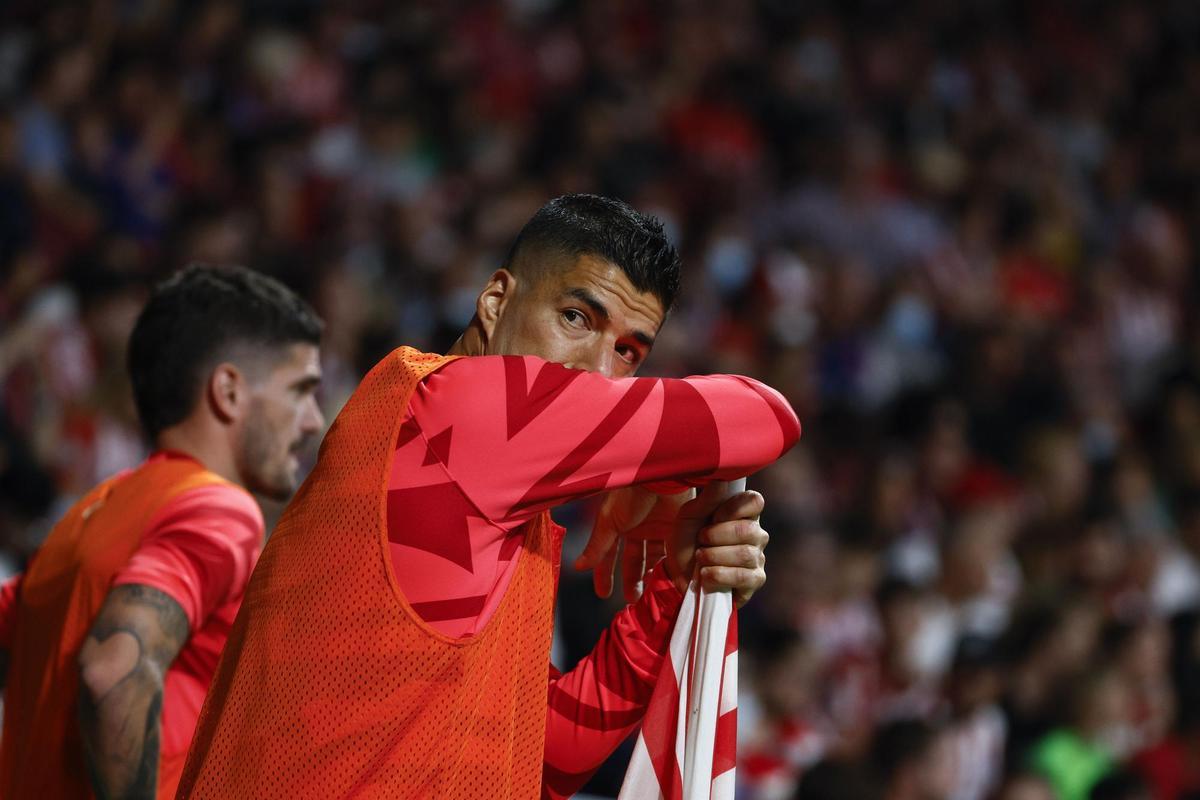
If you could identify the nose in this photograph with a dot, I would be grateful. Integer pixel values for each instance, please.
(595, 359)
(313, 420)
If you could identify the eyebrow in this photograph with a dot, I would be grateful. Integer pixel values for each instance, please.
(601, 310)
(591, 300)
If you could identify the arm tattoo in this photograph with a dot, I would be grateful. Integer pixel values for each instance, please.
(133, 641)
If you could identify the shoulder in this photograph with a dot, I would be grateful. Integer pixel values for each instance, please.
(217, 506)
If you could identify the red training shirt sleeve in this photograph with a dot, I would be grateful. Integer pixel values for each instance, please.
(199, 549)
(10, 594)
(596, 705)
(535, 434)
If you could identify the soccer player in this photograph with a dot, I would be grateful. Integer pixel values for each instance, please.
(395, 638)
(113, 631)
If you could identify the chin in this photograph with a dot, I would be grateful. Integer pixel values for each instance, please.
(279, 490)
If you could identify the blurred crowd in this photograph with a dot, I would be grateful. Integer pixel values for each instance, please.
(959, 235)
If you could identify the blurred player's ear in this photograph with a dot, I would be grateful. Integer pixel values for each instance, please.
(227, 392)
(492, 301)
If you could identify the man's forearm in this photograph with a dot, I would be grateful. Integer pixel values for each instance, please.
(121, 669)
(596, 705)
(121, 734)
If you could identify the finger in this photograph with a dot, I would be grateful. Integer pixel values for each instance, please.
(602, 574)
(704, 504)
(742, 582)
(602, 542)
(633, 566)
(656, 551)
(742, 556)
(743, 505)
(738, 531)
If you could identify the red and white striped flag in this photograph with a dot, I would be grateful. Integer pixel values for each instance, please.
(688, 743)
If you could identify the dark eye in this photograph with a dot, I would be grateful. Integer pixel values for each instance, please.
(575, 317)
(630, 354)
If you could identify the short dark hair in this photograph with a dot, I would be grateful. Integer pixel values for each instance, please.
(586, 224)
(1120, 785)
(833, 779)
(900, 743)
(193, 320)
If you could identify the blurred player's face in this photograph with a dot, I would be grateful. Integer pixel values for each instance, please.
(938, 774)
(588, 316)
(283, 415)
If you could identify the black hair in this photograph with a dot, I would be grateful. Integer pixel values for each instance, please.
(1120, 785)
(975, 653)
(896, 589)
(832, 779)
(899, 744)
(586, 224)
(772, 645)
(193, 320)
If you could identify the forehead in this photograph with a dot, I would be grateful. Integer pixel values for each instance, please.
(611, 286)
(300, 357)
(283, 363)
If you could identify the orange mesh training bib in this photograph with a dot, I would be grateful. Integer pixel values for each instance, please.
(331, 686)
(42, 753)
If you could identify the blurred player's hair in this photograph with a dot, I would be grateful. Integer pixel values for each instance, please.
(899, 744)
(1121, 785)
(834, 779)
(199, 317)
(586, 224)
(772, 645)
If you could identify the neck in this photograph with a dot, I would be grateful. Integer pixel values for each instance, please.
(901, 788)
(470, 343)
(208, 444)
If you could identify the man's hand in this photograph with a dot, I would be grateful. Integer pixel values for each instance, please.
(633, 523)
(723, 539)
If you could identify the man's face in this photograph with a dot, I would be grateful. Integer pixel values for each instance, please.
(588, 316)
(937, 775)
(283, 416)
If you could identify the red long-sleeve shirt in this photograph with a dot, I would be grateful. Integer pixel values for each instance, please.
(491, 441)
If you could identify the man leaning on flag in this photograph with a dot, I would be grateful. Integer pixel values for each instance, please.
(113, 631)
(395, 638)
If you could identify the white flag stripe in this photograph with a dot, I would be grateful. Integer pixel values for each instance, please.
(640, 779)
(681, 648)
(705, 683)
(723, 785)
(729, 683)
(705, 696)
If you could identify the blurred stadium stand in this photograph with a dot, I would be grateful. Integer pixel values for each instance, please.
(960, 236)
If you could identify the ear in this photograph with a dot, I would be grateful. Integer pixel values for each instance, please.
(228, 392)
(494, 298)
